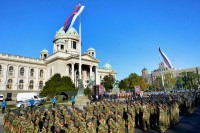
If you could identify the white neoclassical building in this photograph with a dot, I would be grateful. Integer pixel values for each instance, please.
(22, 74)
(163, 69)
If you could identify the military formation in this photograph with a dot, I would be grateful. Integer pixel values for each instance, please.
(157, 112)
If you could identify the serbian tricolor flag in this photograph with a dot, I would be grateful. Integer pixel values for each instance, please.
(165, 58)
(71, 19)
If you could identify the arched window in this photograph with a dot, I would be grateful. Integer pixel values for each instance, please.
(31, 84)
(40, 84)
(21, 84)
(32, 72)
(41, 73)
(0, 70)
(10, 71)
(9, 84)
(22, 71)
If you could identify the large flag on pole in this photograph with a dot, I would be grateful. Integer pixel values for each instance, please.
(71, 19)
(166, 59)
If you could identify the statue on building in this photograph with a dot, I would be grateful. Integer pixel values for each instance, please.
(80, 88)
(91, 82)
(115, 87)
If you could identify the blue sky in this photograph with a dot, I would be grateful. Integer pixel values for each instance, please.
(125, 33)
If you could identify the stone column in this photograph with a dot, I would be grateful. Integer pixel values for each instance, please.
(72, 72)
(95, 75)
(91, 72)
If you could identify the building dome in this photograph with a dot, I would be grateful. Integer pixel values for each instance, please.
(144, 69)
(44, 51)
(91, 49)
(107, 66)
(71, 31)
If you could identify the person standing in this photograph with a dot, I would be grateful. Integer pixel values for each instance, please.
(73, 101)
(31, 101)
(54, 101)
(3, 106)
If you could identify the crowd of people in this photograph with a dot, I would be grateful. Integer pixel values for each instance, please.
(157, 112)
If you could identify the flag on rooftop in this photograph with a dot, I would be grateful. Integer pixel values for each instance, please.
(72, 18)
(166, 59)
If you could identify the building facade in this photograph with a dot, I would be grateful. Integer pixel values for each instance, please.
(22, 74)
(163, 69)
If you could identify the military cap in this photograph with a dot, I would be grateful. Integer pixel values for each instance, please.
(104, 111)
(72, 118)
(33, 118)
(22, 112)
(58, 115)
(47, 117)
(45, 124)
(76, 108)
(69, 113)
(49, 109)
(101, 118)
(42, 106)
(57, 129)
(89, 121)
(25, 115)
(34, 108)
(95, 113)
(83, 115)
(76, 124)
(61, 120)
(65, 106)
(80, 111)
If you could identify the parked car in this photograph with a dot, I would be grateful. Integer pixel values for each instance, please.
(22, 104)
(37, 102)
(1, 97)
(26, 103)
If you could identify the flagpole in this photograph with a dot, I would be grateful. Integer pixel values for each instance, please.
(80, 63)
(161, 72)
(80, 87)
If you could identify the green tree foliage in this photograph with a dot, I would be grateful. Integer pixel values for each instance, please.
(188, 80)
(123, 84)
(157, 84)
(169, 81)
(108, 82)
(133, 80)
(57, 84)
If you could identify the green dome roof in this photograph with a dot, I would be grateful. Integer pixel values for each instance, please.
(107, 66)
(71, 31)
(44, 51)
(91, 49)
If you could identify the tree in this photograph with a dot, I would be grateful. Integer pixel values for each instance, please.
(108, 82)
(157, 84)
(123, 84)
(55, 85)
(190, 80)
(169, 82)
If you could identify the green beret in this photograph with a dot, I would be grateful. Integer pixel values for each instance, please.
(61, 120)
(89, 121)
(33, 118)
(45, 124)
(76, 124)
(57, 129)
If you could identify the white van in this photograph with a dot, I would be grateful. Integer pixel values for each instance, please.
(1, 97)
(25, 96)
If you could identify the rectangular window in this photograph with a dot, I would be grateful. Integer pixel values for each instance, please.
(74, 45)
(62, 47)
